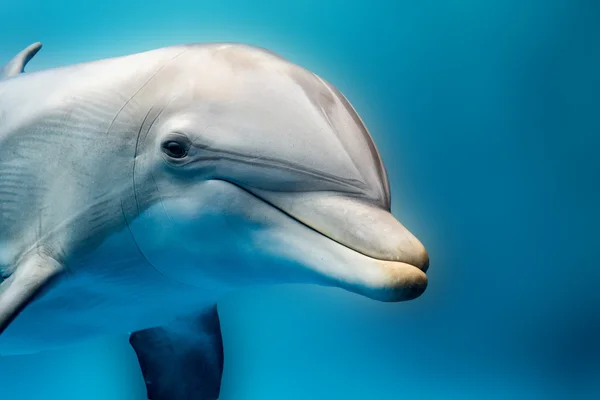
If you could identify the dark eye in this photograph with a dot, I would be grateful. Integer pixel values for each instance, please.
(175, 149)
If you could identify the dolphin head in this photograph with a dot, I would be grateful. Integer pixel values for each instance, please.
(261, 172)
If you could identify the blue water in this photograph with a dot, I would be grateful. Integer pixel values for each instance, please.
(486, 115)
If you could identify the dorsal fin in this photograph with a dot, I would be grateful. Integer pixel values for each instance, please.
(17, 64)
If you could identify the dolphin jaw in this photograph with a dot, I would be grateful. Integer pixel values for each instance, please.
(393, 261)
(396, 281)
(383, 280)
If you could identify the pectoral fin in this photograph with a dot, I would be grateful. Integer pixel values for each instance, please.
(183, 360)
(32, 275)
(17, 64)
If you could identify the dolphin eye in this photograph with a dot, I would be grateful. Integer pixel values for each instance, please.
(175, 149)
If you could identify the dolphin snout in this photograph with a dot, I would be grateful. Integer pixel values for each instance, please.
(356, 224)
(375, 254)
(402, 282)
(404, 277)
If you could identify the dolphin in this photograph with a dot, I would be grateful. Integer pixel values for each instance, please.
(136, 191)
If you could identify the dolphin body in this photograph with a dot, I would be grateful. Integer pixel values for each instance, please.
(136, 191)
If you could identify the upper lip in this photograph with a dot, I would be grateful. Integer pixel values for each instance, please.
(353, 223)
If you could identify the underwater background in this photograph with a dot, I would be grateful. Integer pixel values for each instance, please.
(487, 116)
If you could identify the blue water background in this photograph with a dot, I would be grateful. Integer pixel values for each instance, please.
(487, 117)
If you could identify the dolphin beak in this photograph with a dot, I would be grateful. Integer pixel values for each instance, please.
(374, 254)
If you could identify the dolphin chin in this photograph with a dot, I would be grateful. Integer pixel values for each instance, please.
(393, 282)
(382, 280)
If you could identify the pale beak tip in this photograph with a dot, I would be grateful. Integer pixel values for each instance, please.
(401, 282)
(412, 287)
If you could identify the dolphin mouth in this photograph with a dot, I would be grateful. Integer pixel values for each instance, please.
(389, 263)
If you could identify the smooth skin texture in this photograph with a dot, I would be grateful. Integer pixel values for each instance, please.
(136, 191)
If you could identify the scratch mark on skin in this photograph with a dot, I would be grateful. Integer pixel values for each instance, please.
(135, 155)
(141, 87)
(137, 142)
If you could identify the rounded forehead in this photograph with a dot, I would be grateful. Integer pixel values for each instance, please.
(235, 72)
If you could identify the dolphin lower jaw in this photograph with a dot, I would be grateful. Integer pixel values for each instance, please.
(382, 280)
(388, 281)
(343, 267)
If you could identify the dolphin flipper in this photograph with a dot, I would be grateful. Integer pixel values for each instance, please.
(183, 360)
(33, 274)
(17, 64)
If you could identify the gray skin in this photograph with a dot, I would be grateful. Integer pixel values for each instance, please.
(136, 191)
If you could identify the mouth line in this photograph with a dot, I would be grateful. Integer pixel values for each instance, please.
(311, 228)
(352, 185)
